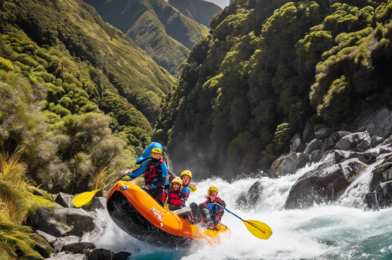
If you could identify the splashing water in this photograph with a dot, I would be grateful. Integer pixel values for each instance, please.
(341, 230)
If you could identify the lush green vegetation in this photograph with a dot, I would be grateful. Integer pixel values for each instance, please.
(267, 70)
(199, 10)
(155, 26)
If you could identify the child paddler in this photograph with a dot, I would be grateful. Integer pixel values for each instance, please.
(186, 177)
(155, 175)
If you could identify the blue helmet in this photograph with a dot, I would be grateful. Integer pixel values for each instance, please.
(147, 153)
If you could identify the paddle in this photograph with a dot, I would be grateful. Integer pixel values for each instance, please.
(192, 187)
(85, 197)
(256, 228)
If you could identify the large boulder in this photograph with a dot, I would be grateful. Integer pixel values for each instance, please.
(324, 184)
(374, 122)
(47, 221)
(64, 241)
(376, 140)
(80, 221)
(288, 164)
(98, 203)
(334, 138)
(356, 141)
(250, 198)
(365, 157)
(314, 145)
(65, 200)
(65, 222)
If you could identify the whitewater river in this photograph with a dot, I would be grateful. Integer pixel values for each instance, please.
(339, 231)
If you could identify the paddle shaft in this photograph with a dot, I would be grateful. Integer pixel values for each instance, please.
(229, 211)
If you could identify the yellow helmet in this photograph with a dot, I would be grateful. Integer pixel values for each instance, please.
(177, 180)
(156, 150)
(212, 188)
(186, 172)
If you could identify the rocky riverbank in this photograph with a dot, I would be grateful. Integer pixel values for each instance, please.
(65, 229)
(342, 156)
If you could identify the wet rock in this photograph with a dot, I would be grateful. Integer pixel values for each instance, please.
(266, 162)
(47, 221)
(335, 137)
(64, 241)
(254, 192)
(250, 198)
(49, 238)
(387, 141)
(376, 140)
(80, 221)
(288, 164)
(100, 254)
(68, 257)
(375, 122)
(65, 200)
(121, 256)
(316, 156)
(382, 173)
(295, 142)
(324, 184)
(356, 141)
(78, 247)
(98, 203)
(378, 199)
(365, 157)
(313, 146)
(41, 245)
(323, 133)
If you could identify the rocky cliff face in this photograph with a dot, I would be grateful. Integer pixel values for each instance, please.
(155, 26)
(199, 10)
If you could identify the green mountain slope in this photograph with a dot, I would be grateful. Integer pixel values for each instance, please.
(60, 57)
(199, 10)
(268, 70)
(155, 26)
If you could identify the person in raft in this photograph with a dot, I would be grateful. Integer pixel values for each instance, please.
(155, 175)
(175, 199)
(210, 212)
(186, 177)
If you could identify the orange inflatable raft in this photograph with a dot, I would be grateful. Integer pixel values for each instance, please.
(138, 214)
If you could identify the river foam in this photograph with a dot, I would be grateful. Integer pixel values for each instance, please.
(335, 231)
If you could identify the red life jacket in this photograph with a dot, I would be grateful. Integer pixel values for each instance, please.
(151, 171)
(175, 198)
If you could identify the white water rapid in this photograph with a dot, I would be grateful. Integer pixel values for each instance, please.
(338, 231)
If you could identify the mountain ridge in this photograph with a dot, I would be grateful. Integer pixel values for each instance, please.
(155, 26)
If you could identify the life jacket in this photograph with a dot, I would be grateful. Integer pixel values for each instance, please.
(175, 198)
(216, 212)
(151, 171)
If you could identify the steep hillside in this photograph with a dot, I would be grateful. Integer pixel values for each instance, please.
(199, 10)
(270, 69)
(155, 26)
(60, 57)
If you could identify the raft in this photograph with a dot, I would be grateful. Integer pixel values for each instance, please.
(138, 214)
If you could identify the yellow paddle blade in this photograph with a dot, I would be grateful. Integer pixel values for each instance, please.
(192, 187)
(84, 198)
(258, 229)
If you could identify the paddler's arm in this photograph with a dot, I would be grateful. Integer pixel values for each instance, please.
(139, 171)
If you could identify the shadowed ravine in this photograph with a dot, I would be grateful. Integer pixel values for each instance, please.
(342, 230)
